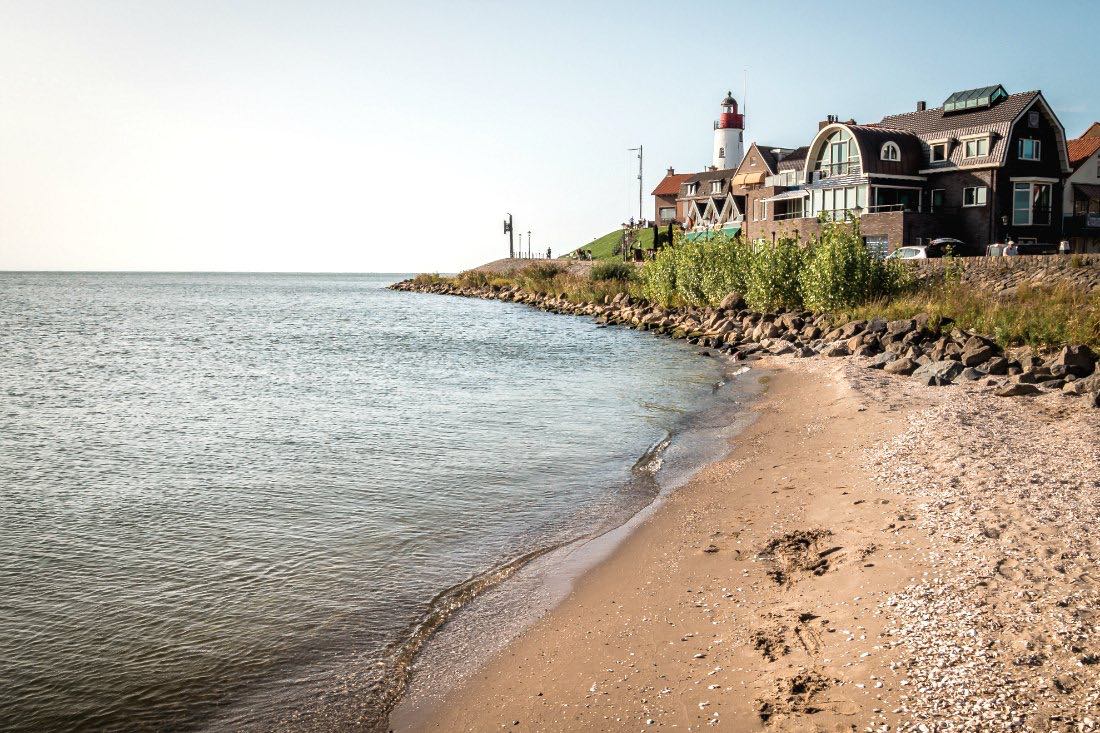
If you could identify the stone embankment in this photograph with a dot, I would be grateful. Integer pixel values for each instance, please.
(933, 354)
(1006, 274)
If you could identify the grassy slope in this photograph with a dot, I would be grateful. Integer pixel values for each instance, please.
(605, 247)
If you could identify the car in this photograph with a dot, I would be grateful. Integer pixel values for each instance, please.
(945, 245)
(911, 253)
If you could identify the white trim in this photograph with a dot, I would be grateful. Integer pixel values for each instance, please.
(902, 188)
(950, 169)
(1063, 151)
(976, 135)
(1033, 179)
(900, 178)
(940, 141)
(975, 189)
(893, 147)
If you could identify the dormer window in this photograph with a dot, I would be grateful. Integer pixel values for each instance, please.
(938, 152)
(976, 148)
(693, 189)
(716, 187)
(891, 151)
(1027, 149)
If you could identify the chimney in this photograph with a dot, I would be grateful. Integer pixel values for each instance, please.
(830, 119)
(922, 106)
(670, 171)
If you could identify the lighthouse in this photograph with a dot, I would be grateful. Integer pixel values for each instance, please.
(729, 135)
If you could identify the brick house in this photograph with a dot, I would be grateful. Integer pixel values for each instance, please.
(666, 208)
(1081, 199)
(986, 166)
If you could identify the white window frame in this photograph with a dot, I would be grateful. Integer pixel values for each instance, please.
(1016, 185)
(716, 186)
(693, 189)
(890, 151)
(932, 200)
(978, 143)
(1037, 148)
(980, 196)
(932, 152)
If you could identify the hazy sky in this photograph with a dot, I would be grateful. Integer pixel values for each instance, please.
(363, 136)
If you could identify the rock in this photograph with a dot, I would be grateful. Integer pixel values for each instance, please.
(900, 328)
(996, 366)
(837, 349)
(1035, 375)
(938, 373)
(977, 351)
(1096, 400)
(803, 352)
(865, 350)
(881, 360)
(733, 301)
(780, 348)
(904, 366)
(970, 374)
(1017, 390)
(851, 329)
(1088, 385)
(1079, 361)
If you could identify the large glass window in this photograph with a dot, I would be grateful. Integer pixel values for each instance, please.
(975, 196)
(938, 152)
(838, 156)
(1031, 204)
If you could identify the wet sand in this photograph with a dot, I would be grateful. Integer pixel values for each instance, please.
(749, 595)
(872, 555)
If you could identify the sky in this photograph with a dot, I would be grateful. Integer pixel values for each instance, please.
(394, 136)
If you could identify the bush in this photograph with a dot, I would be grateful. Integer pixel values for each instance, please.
(841, 272)
(604, 271)
(659, 277)
(773, 279)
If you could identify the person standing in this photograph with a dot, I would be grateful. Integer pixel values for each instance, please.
(1010, 249)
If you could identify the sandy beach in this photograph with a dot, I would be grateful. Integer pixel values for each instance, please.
(871, 555)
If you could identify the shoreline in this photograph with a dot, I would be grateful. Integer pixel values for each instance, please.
(641, 632)
(832, 572)
(548, 577)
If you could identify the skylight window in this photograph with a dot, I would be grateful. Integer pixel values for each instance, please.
(974, 99)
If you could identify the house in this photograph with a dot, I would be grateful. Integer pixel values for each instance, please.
(666, 209)
(985, 166)
(1081, 198)
(709, 202)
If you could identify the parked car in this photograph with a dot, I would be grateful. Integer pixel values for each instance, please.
(956, 247)
(912, 253)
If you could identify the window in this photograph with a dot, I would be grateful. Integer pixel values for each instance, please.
(1032, 119)
(1031, 204)
(721, 152)
(716, 187)
(879, 246)
(838, 156)
(1027, 149)
(891, 151)
(976, 148)
(693, 189)
(667, 212)
(976, 196)
(937, 199)
(938, 152)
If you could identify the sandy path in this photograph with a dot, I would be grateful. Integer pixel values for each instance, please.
(777, 621)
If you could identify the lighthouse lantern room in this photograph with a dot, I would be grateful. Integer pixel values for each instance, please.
(729, 135)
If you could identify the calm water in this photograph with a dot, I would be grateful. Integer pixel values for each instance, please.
(228, 500)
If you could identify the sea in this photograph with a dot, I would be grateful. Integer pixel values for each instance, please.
(281, 501)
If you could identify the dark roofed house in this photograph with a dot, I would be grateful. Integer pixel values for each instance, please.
(665, 206)
(985, 166)
(1081, 199)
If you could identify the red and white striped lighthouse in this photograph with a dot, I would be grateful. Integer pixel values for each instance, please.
(729, 135)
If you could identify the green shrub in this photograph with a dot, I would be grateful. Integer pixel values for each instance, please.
(613, 271)
(841, 272)
(773, 278)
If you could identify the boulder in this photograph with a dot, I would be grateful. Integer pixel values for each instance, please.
(1017, 390)
(996, 366)
(1088, 385)
(880, 361)
(938, 373)
(977, 352)
(970, 374)
(733, 301)
(903, 366)
(1079, 361)
(837, 349)
(901, 327)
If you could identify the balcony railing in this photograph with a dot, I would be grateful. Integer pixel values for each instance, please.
(788, 215)
(1079, 222)
(849, 168)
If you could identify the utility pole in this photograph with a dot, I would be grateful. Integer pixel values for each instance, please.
(521, 245)
(508, 231)
(528, 244)
(638, 150)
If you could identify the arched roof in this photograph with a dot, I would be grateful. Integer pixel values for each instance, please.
(869, 141)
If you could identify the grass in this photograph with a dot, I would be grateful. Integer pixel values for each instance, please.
(1043, 318)
(607, 246)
